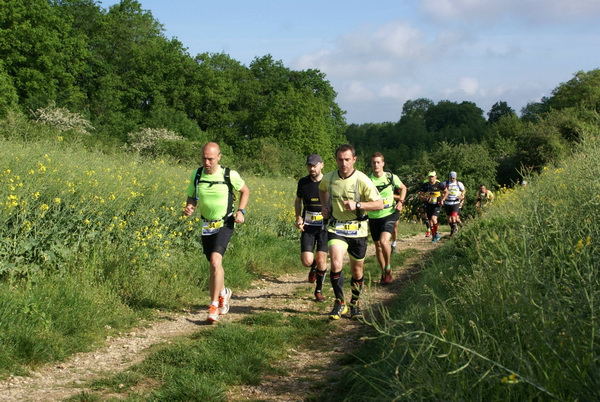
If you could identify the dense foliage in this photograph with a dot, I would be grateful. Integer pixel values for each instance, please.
(116, 68)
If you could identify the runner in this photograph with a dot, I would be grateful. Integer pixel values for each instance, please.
(453, 201)
(431, 193)
(382, 223)
(346, 194)
(212, 190)
(484, 198)
(309, 220)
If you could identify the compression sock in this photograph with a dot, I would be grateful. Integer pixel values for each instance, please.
(320, 280)
(434, 229)
(356, 286)
(427, 225)
(337, 283)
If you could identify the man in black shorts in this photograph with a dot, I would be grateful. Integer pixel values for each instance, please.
(309, 220)
(346, 195)
(212, 191)
(383, 222)
(431, 193)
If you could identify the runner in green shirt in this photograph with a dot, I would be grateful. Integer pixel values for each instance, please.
(382, 222)
(211, 191)
(346, 194)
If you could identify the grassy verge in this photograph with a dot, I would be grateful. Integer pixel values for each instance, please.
(102, 238)
(506, 311)
(206, 365)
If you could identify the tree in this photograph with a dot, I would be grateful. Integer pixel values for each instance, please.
(583, 90)
(8, 94)
(42, 53)
(454, 121)
(500, 110)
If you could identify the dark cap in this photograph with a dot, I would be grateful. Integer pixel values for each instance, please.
(313, 159)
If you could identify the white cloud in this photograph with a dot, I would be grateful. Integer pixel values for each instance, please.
(399, 91)
(541, 11)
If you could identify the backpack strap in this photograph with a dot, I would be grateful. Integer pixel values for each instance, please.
(226, 180)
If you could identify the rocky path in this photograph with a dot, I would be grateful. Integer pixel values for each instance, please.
(63, 380)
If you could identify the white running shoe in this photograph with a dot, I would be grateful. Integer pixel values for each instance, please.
(213, 314)
(224, 302)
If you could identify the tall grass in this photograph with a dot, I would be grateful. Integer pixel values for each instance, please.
(508, 310)
(92, 242)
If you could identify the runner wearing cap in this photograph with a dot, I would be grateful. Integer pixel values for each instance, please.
(452, 201)
(431, 193)
(309, 220)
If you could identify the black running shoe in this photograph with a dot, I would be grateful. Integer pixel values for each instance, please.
(355, 312)
(339, 309)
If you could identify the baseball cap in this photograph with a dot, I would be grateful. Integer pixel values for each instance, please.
(432, 173)
(313, 159)
(453, 175)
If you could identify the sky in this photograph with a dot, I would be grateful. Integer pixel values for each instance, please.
(378, 54)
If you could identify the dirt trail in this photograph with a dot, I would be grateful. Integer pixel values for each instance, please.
(62, 380)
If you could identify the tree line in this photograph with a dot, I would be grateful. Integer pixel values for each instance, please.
(116, 69)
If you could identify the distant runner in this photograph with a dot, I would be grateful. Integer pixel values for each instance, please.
(382, 223)
(431, 193)
(309, 220)
(484, 198)
(211, 190)
(345, 195)
(453, 201)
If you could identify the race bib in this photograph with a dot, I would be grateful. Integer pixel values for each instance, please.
(346, 228)
(313, 218)
(387, 202)
(211, 227)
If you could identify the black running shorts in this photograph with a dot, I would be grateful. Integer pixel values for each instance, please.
(217, 243)
(357, 246)
(451, 209)
(432, 210)
(380, 225)
(313, 236)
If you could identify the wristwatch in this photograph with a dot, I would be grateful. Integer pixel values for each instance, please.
(358, 205)
(243, 211)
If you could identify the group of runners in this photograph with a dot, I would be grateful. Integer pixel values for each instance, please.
(334, 212)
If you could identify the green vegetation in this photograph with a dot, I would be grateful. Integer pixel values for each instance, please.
(206, 365)
(92, 243)
(117, 69)
(507, 310)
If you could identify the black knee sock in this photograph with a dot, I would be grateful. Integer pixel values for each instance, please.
(320, 280)
(356, 286)
(313, 266)
(337, 282)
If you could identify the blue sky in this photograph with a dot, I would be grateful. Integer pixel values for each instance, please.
(377, 54)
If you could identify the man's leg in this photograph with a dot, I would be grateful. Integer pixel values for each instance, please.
(216, 280)
(337, 250)
(321, 260)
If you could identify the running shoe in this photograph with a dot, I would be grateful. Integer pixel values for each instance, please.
(312, 275)
(213, 314)
(224, 302)
(355, 312)
(436, 238)
(387, 276)
(394, 248)
(319, 296)
(428, 233)
(339, 309)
